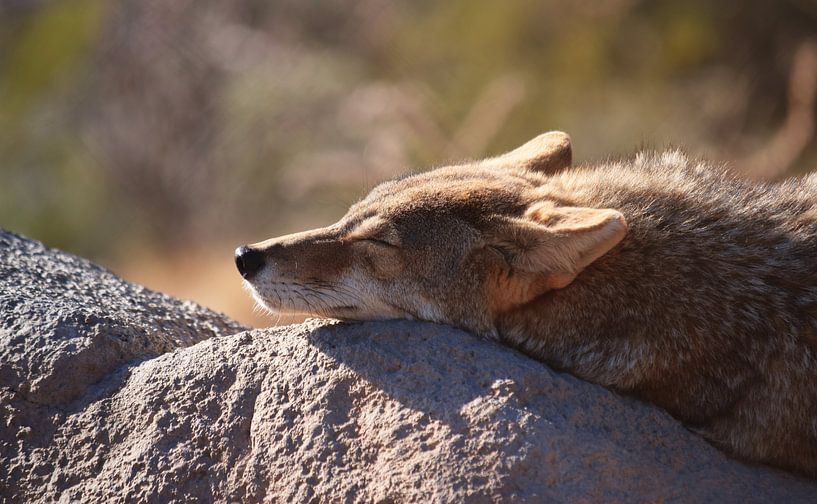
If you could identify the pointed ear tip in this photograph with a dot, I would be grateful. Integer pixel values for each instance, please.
(558, 134)
(608, 219)
(556, 138)
(618, 220)
(548, 153)
(612, 214)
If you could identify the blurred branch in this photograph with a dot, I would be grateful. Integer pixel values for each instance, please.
(492, 108)
(779, 154)
(807, 7)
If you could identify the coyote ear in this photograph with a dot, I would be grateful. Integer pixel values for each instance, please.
(557, 243)
(548, 153)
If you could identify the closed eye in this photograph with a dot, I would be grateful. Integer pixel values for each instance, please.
(503, 252)
(378, 241)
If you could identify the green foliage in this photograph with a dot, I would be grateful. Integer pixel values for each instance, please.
(130, 121)
(49, 185)
(49, 49)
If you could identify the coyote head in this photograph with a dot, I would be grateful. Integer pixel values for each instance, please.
(459, 245)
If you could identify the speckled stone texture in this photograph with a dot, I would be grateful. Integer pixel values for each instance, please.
(108, 394)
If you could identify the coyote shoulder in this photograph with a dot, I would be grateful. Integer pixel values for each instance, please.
(660, 277)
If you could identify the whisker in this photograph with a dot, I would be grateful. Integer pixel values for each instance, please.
(311, 296)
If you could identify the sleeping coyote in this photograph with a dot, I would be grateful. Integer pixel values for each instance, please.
(660, 277)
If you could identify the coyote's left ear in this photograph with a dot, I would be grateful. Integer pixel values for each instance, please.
(554, 244)
(548, 153)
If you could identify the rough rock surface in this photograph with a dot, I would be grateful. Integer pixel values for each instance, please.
(106, 394)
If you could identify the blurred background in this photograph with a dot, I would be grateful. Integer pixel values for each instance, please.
(154, 136)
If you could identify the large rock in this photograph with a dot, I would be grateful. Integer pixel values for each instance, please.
(67, 323)
(105, 395)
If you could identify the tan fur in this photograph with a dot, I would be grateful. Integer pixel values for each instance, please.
(659, 277)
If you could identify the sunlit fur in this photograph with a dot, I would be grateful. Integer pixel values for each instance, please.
(657, 276)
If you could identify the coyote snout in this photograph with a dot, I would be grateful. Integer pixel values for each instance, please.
(306, 273)
(248, 261)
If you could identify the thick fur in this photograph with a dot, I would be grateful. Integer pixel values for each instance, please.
(660, 277)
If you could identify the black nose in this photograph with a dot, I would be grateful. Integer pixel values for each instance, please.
(248, 261)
